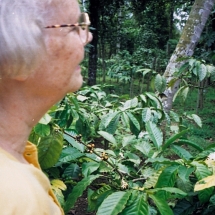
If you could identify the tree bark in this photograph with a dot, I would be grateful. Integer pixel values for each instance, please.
(187, 43)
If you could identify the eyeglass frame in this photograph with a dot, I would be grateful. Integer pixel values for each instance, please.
(83, 25)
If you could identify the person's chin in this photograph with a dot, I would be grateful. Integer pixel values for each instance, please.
(76, 84)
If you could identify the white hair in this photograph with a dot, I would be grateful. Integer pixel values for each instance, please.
(21, 39)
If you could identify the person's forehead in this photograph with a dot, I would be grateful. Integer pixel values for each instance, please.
(66, 12)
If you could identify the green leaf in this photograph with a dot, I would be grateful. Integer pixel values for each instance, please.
(182, 90)
(45, 119)
(100, 191)
(156, 101)
(197, 120)
(134, 124)
(173, 139)
(183, 207)
(189, 143)
(74, 143)
(160, 83)
(181, 152)
(114, 203)
(184, 172)
(133, 157)
(146, 114)
(184, 93)
(155, 134)
(42, 130)
(109, 122)
(143, 147)
(202, 72)
(90, 167)
(204, 195)
(162, 206)
(170, 190)
(139, 206)
(49, 150)
(168, 177)
(201, 171)
(127, 140)
(130, 104)
(69, 154)
(107, 136)
(73, 171)
(77, 192)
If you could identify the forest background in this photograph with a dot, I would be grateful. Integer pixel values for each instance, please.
(141, 141)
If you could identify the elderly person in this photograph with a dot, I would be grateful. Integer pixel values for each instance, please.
(41, 47)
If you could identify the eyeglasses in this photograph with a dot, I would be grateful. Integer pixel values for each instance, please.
(82, 27)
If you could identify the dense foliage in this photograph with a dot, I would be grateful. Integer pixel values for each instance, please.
(143, 163)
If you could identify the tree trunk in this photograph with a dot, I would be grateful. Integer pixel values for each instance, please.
(187, 43)
(94, 16)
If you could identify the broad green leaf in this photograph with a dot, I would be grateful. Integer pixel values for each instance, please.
(189, 143)
(206, 152)
(107, 136)
(179, 92)
(70, 154)
(143, 97)
(162, 206)
(138, 207)
(205, 183)
(130, 103)
(134, 124)
(181, 152)
(122, 168)
(202, 72)
(82, 98)
(183, 207)
(173, 139)
(49, 150)
(100, 191)
(184, 172)
(155, 134)
(143, 147)
(109, 122)
(197, 120)
(201, 171)
(184, 93)
(42, 130)
(45, 119)
(114, 203)
(185, 186)
(152, 180)
(169, 190)
(90, 167)
(167, 177)
(74, 143)
(73, 171)
(146, 114)
(133, 157)
(160, 83)
(127, 140)
(77, 192)
(154, 99)
(204, 195)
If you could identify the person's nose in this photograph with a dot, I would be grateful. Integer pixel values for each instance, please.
(90, 37)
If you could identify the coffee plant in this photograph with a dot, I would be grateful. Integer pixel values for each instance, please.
(130, 156)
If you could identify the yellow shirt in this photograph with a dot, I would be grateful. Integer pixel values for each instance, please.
(24, 188)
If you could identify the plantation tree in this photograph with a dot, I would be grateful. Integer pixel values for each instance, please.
(186, 45)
